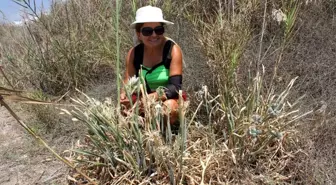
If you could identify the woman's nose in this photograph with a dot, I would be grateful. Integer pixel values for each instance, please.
(154, 34)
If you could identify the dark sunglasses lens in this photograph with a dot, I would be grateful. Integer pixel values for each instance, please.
(147, 31)
(159, 30)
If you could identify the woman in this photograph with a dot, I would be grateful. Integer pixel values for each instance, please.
(156, 58)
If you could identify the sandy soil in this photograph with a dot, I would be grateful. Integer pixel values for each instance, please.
(22, 160)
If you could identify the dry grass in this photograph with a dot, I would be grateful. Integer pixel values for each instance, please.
(63, 50)
(134, 149)
(246, 134)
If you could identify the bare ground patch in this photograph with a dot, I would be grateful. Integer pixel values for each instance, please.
(23, 160)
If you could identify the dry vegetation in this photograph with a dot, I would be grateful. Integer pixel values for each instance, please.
(243, 123)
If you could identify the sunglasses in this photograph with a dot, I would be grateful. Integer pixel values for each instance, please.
(148, 31)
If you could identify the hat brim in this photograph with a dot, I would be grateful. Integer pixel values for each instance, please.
(163, 21)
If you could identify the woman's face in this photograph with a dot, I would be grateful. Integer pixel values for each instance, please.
(151, 34)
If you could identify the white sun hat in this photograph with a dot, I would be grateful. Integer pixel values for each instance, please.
(149, 14)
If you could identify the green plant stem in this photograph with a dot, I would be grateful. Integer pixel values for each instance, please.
(118, 5)
(262, 37)
(183, 130)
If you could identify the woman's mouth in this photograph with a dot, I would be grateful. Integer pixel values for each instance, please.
(154, 40)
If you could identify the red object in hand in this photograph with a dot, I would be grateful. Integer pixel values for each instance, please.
(134, 98)
(184, 95)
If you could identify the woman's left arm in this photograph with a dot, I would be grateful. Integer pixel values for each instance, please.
(176, 62)
(175, 76)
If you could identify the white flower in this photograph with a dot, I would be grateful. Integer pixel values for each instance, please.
(278, 15)
(131, 84)
(205, 89)
(133, 81)
(256, 118)
(158, 108)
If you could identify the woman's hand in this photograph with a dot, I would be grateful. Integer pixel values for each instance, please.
(156, 97)
(152, 96)
(123, 99)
